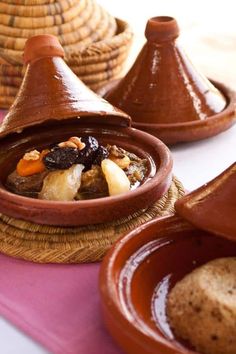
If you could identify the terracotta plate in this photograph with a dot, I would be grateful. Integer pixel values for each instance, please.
(189, 131)
(138, 273)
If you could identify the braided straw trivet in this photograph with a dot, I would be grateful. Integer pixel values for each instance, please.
(49, 244)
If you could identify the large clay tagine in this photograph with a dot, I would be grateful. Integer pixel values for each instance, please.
(165, 94)
(140, 270)
(52, 105)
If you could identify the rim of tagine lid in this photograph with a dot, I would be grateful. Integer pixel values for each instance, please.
(50, 91)
(190, 107)
(212, 207)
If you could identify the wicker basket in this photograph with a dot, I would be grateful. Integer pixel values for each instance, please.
(96, 44)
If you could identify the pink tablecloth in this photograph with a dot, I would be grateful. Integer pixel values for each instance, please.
(57, 305)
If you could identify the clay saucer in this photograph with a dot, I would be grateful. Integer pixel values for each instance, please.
(165, 94)
(140, 270)
(53, 104)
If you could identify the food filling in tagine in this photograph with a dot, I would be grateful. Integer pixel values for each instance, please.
(77, 169)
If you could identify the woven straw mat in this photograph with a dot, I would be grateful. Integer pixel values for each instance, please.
(49, 244)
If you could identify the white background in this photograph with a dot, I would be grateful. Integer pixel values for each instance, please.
(209, 37)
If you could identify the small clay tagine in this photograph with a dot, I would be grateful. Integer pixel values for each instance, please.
(164, 93)
(140, 270)
(53, 105)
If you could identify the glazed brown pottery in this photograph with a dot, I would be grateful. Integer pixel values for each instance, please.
(52, 105)
(51, 91)
(141, 269)
(212, 207)
(138, 273)
(164, 93)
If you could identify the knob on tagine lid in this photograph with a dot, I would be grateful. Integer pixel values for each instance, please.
(51, 91)
(212, 207)
(165, 94)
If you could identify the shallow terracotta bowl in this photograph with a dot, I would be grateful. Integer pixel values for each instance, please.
(156, 183)
(138, 273)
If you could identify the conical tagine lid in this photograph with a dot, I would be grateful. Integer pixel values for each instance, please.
(212, 207)
(163, 87)
(51, 91)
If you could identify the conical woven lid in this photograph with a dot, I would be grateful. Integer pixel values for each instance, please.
(77, 24)
(163, 87)
(213, 206)
(51, 91)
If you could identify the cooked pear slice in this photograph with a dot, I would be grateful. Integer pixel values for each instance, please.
(62, 185)
(116, 178)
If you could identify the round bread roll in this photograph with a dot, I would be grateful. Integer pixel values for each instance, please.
(202, 307)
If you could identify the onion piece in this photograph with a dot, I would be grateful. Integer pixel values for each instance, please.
(62, 185)
(116, 178)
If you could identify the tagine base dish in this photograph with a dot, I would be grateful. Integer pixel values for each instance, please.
(189, 131)
(50, 244)
(138, 274)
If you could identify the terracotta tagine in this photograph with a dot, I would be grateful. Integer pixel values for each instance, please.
(164, 93)
(218, 196)
(138, 273)
(52, 105)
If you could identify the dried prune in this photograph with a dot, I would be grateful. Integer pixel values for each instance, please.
(88, 153)
(90, 142)
(102, 153)
(60, 158)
